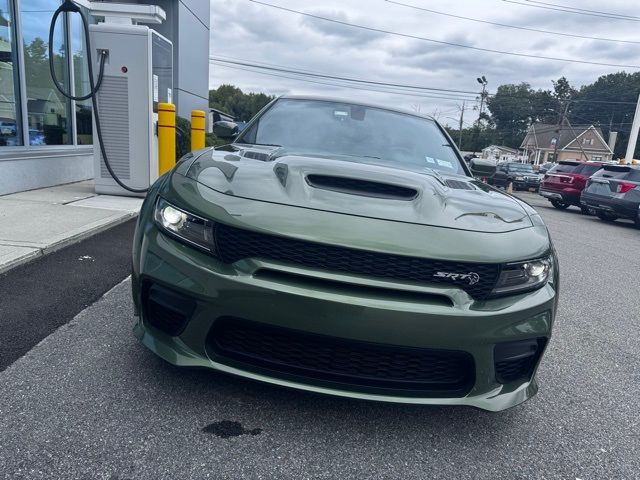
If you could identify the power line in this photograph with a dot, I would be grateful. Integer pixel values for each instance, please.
(441, 42)
(569, 7)
(395, 92)
(529, 29)
(545, 7)
(430, 90)
(335, 77)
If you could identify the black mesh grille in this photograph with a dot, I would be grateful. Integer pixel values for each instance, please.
(331, 359)
(510, 370)
(235, 244)
(362, 187)
(165, 309)
(264, 157)
(459, 185)
(516, 360)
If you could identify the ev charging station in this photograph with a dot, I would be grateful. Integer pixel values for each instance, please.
(137, 76)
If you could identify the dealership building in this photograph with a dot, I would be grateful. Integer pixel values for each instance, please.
(46, 139)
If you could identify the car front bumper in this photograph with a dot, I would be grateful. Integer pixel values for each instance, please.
(526, 184)
(415, 322)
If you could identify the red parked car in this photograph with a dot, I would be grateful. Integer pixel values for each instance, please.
(563, 184)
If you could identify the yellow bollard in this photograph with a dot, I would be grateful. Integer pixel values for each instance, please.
(166, 137)
(197, 129)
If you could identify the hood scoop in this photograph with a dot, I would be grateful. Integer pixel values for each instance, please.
(364, 188)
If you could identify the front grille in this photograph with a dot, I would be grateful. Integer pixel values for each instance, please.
(300, 355)
(234, 244)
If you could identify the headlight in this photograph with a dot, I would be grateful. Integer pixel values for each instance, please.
(523, 276)
(190, 228)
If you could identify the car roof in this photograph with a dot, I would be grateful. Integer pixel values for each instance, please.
(357, 102)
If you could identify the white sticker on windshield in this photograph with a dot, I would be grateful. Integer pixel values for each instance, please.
(340, 114)
(429, 159)
(445, 163)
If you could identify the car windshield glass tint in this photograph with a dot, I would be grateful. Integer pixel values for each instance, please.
(366, 134)
(524, 168)
(612, 173)
(634, 175)
(566, 168)
(587, 170)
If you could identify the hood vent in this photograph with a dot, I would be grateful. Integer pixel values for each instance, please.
(365, 188)
(263, 157)
(459, 185)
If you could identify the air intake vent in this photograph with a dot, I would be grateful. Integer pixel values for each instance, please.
(263, 157)
(114, 118)
(365, 188)
(459, 185)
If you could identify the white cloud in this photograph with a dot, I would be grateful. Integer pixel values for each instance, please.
(245, 30)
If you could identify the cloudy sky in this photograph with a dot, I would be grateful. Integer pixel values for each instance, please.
(253, 33)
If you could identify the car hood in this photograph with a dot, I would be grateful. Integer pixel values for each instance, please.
(360, 187)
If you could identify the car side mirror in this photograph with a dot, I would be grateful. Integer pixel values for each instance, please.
(225, 130)
(481, 167)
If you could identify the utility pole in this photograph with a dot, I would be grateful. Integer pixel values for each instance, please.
(460, 127)
(559, 132)
(633, 137)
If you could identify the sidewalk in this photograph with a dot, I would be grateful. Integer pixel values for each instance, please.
(41, 221)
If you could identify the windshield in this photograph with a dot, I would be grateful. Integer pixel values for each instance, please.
(521, 167)
(342, 129)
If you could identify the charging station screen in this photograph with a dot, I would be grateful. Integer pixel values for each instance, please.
(161, 71)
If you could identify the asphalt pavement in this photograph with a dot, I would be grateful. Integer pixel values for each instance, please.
(38, 297)
(89, 402)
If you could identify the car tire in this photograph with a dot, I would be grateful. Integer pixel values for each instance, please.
(606, 216)
(586, 211)
(637, 220)
(559, 204)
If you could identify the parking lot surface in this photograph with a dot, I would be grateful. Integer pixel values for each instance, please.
(90, 402)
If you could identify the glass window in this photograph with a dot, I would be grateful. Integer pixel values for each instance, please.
(84, 123)
(10, 126)
(47, 109)
(363, 133)
(567, 167)
(521, 167)
(587, 169)
(612, 171)
(634, 175)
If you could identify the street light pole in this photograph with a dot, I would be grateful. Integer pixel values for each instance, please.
(482, 81)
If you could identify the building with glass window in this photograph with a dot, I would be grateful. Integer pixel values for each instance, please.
(46, 139)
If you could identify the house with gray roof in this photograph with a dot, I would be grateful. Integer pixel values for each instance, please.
(552, 143)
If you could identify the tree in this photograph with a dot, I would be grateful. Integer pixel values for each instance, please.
(242, 106)
(591, 107)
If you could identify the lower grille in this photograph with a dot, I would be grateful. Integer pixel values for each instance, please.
(516, 360)
(165, 309)
(338, 362)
